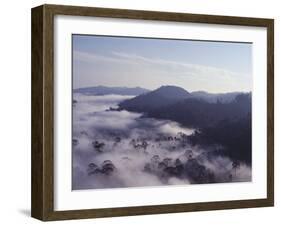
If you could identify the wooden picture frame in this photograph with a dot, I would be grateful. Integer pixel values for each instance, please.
(43, 111)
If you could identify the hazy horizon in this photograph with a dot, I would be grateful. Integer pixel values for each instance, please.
(163, 85)
(214, 67)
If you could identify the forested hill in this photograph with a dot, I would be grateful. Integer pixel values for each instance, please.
(223, 123)
(199, 113)
(163, 96)
(177, 104)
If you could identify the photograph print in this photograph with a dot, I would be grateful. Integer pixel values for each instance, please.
(160, 112)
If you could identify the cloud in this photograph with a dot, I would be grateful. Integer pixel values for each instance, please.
(128, 62)
(201, 72)
(137, 147)
(90, 57)
(176, 67)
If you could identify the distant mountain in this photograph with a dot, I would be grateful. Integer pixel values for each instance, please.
(215, 97)
(104, 90)
(161, 97)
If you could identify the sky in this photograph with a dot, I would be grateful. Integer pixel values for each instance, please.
(215, 67)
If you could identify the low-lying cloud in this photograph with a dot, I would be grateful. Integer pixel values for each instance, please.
(122, 149)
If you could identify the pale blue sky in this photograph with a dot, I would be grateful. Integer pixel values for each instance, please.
(150, 63)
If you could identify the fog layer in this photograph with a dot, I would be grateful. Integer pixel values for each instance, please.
(113, 148)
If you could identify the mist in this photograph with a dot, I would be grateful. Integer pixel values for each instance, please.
(118, 148)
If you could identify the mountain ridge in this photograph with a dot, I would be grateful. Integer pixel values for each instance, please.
(106, 90)
(214, 97)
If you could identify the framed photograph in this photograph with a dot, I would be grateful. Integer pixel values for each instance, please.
(142, 112)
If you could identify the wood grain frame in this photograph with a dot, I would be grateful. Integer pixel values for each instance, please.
(42, 203)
